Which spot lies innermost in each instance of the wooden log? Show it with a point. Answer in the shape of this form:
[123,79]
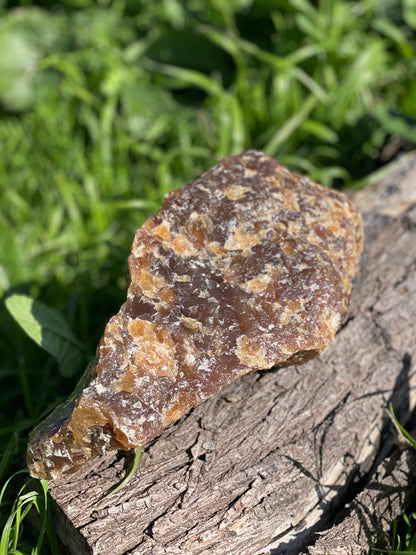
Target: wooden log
[272,460]
[366,521]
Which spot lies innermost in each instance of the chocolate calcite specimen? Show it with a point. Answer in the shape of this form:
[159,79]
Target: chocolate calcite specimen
[248,267]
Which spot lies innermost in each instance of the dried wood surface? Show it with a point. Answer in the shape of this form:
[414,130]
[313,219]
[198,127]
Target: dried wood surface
[366,521]
[283,461]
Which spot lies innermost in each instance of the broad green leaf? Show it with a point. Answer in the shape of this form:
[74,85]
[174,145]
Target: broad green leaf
[49,330]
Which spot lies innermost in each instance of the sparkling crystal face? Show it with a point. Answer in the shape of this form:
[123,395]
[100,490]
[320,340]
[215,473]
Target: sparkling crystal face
[248,267]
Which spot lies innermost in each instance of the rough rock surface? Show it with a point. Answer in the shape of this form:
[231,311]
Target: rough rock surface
[248,267]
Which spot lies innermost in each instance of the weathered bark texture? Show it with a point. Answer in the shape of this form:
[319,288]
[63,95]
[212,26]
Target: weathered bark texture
[291,460]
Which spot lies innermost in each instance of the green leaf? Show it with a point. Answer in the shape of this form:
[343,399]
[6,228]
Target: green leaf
[320,130]
[304,6]
[409,12]
[25,35]
[397,35]
[291,125]
[183,77]
[49,330]
[395,123]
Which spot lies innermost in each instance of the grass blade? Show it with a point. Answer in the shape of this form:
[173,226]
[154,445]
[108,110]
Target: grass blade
[402,430]
[290,126]
[185,77]
[128,476]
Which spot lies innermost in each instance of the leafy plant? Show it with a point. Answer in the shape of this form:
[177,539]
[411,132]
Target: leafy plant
[105,107]
[49,330]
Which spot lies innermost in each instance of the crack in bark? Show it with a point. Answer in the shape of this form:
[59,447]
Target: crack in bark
[343,508]
[323,428]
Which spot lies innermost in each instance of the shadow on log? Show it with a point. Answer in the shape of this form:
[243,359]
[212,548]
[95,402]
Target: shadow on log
[293,460]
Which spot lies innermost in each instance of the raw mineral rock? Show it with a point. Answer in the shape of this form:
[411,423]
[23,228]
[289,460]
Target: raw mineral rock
[248,267]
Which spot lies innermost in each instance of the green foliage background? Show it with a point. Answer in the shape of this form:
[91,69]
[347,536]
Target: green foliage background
[105,106]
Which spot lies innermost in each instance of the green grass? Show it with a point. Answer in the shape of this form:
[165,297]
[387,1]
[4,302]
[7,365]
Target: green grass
[105,106]
[403,535]
[27,499]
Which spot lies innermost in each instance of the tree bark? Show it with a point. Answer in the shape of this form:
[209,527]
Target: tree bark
[292,460]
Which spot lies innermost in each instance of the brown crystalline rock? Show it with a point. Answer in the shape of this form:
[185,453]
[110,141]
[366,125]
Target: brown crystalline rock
[248,267]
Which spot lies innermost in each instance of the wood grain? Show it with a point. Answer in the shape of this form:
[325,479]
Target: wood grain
[275,463]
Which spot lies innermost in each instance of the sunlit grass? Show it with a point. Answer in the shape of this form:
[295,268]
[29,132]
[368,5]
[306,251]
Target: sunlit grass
[18,510]
[107,108]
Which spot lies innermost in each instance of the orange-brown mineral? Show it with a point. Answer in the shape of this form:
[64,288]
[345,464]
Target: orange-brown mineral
[248,267]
